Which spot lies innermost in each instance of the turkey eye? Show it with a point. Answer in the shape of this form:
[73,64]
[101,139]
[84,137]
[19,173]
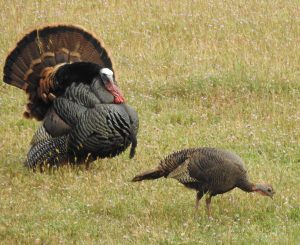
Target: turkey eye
[269,190]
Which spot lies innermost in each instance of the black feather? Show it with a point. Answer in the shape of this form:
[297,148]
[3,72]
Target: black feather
[93,129]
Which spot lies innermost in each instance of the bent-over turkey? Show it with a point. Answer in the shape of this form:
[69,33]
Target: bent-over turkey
[71,86]
[207,170]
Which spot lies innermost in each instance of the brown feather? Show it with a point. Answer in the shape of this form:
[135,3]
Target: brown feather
[28,65]
[207,170]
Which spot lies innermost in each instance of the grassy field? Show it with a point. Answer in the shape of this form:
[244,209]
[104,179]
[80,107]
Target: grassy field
[199,73]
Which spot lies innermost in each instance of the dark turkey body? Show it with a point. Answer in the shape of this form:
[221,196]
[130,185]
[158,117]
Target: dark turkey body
[87,125]
[214,171]
[207,170]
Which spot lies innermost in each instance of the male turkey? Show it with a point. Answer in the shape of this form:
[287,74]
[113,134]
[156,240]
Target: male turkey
[70,80]
[207,170]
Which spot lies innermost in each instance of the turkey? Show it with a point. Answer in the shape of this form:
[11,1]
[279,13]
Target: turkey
[207,170]
[71,86]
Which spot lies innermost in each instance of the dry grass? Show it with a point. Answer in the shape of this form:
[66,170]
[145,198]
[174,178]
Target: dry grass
[200,73]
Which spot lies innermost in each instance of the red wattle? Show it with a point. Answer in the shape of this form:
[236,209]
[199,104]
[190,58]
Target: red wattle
[119,100]
[116,92]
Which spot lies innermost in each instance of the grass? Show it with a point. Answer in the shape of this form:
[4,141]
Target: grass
[201,73]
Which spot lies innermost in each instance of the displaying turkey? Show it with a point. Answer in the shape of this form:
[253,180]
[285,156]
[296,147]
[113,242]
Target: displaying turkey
[71,86]
[207,170]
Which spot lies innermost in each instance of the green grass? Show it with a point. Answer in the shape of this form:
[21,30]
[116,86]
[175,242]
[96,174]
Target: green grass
[201,73]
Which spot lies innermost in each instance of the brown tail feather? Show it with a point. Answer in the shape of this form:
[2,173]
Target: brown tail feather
[151,174]
[46,47]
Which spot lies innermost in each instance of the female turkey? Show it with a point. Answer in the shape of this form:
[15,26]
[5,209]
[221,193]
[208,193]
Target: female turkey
[70,80]
[207,170]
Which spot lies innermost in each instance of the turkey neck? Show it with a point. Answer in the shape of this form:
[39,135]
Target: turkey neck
[246,185]
[78,72]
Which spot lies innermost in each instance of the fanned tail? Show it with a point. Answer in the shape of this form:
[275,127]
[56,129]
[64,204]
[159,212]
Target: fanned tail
[32,63]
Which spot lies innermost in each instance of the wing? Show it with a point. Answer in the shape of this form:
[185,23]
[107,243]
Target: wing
[215,169]
[103,131]
[182,174]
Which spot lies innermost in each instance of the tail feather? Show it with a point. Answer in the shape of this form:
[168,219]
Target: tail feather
[47,47]
[51,151]
[151,174]
[133,145]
